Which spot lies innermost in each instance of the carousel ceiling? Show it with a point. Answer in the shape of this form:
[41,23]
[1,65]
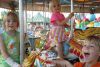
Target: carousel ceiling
[42,5]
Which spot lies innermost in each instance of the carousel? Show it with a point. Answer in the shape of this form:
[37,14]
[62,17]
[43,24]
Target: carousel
[80,28]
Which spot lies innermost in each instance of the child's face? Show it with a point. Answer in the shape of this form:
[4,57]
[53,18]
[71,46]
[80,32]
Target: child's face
[91,52]
[11,23]
[56,7]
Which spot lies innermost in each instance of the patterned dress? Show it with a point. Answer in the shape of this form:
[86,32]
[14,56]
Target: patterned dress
[12,45]
[57,32]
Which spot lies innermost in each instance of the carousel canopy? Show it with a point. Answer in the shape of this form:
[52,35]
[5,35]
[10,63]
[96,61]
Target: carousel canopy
[40,18]
[42,5]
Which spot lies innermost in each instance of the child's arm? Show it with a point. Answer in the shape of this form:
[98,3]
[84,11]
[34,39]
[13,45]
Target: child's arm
[2,48]
[66,19]
[6,56]
[61,63]
[70,15]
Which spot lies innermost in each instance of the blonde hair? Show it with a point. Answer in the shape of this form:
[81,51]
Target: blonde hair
[94,40]
[52,3]
[13,15]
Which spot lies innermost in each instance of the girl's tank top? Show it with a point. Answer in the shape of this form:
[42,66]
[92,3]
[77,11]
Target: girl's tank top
[12,45]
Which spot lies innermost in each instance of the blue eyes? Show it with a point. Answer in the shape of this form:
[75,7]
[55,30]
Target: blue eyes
[10,21]
[56,5]
[89,46]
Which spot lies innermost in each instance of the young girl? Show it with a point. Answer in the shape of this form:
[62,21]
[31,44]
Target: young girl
[9,42]
[91,52]
[58,21]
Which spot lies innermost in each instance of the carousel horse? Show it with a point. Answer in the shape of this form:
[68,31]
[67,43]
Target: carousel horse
[74,43]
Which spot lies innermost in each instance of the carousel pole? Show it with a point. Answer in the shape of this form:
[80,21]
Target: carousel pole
[21,19]
[72,5]
[71,32]
[25,16]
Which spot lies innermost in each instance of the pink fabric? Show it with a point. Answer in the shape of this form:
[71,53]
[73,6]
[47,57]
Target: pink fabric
[55,17]
[58,33]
